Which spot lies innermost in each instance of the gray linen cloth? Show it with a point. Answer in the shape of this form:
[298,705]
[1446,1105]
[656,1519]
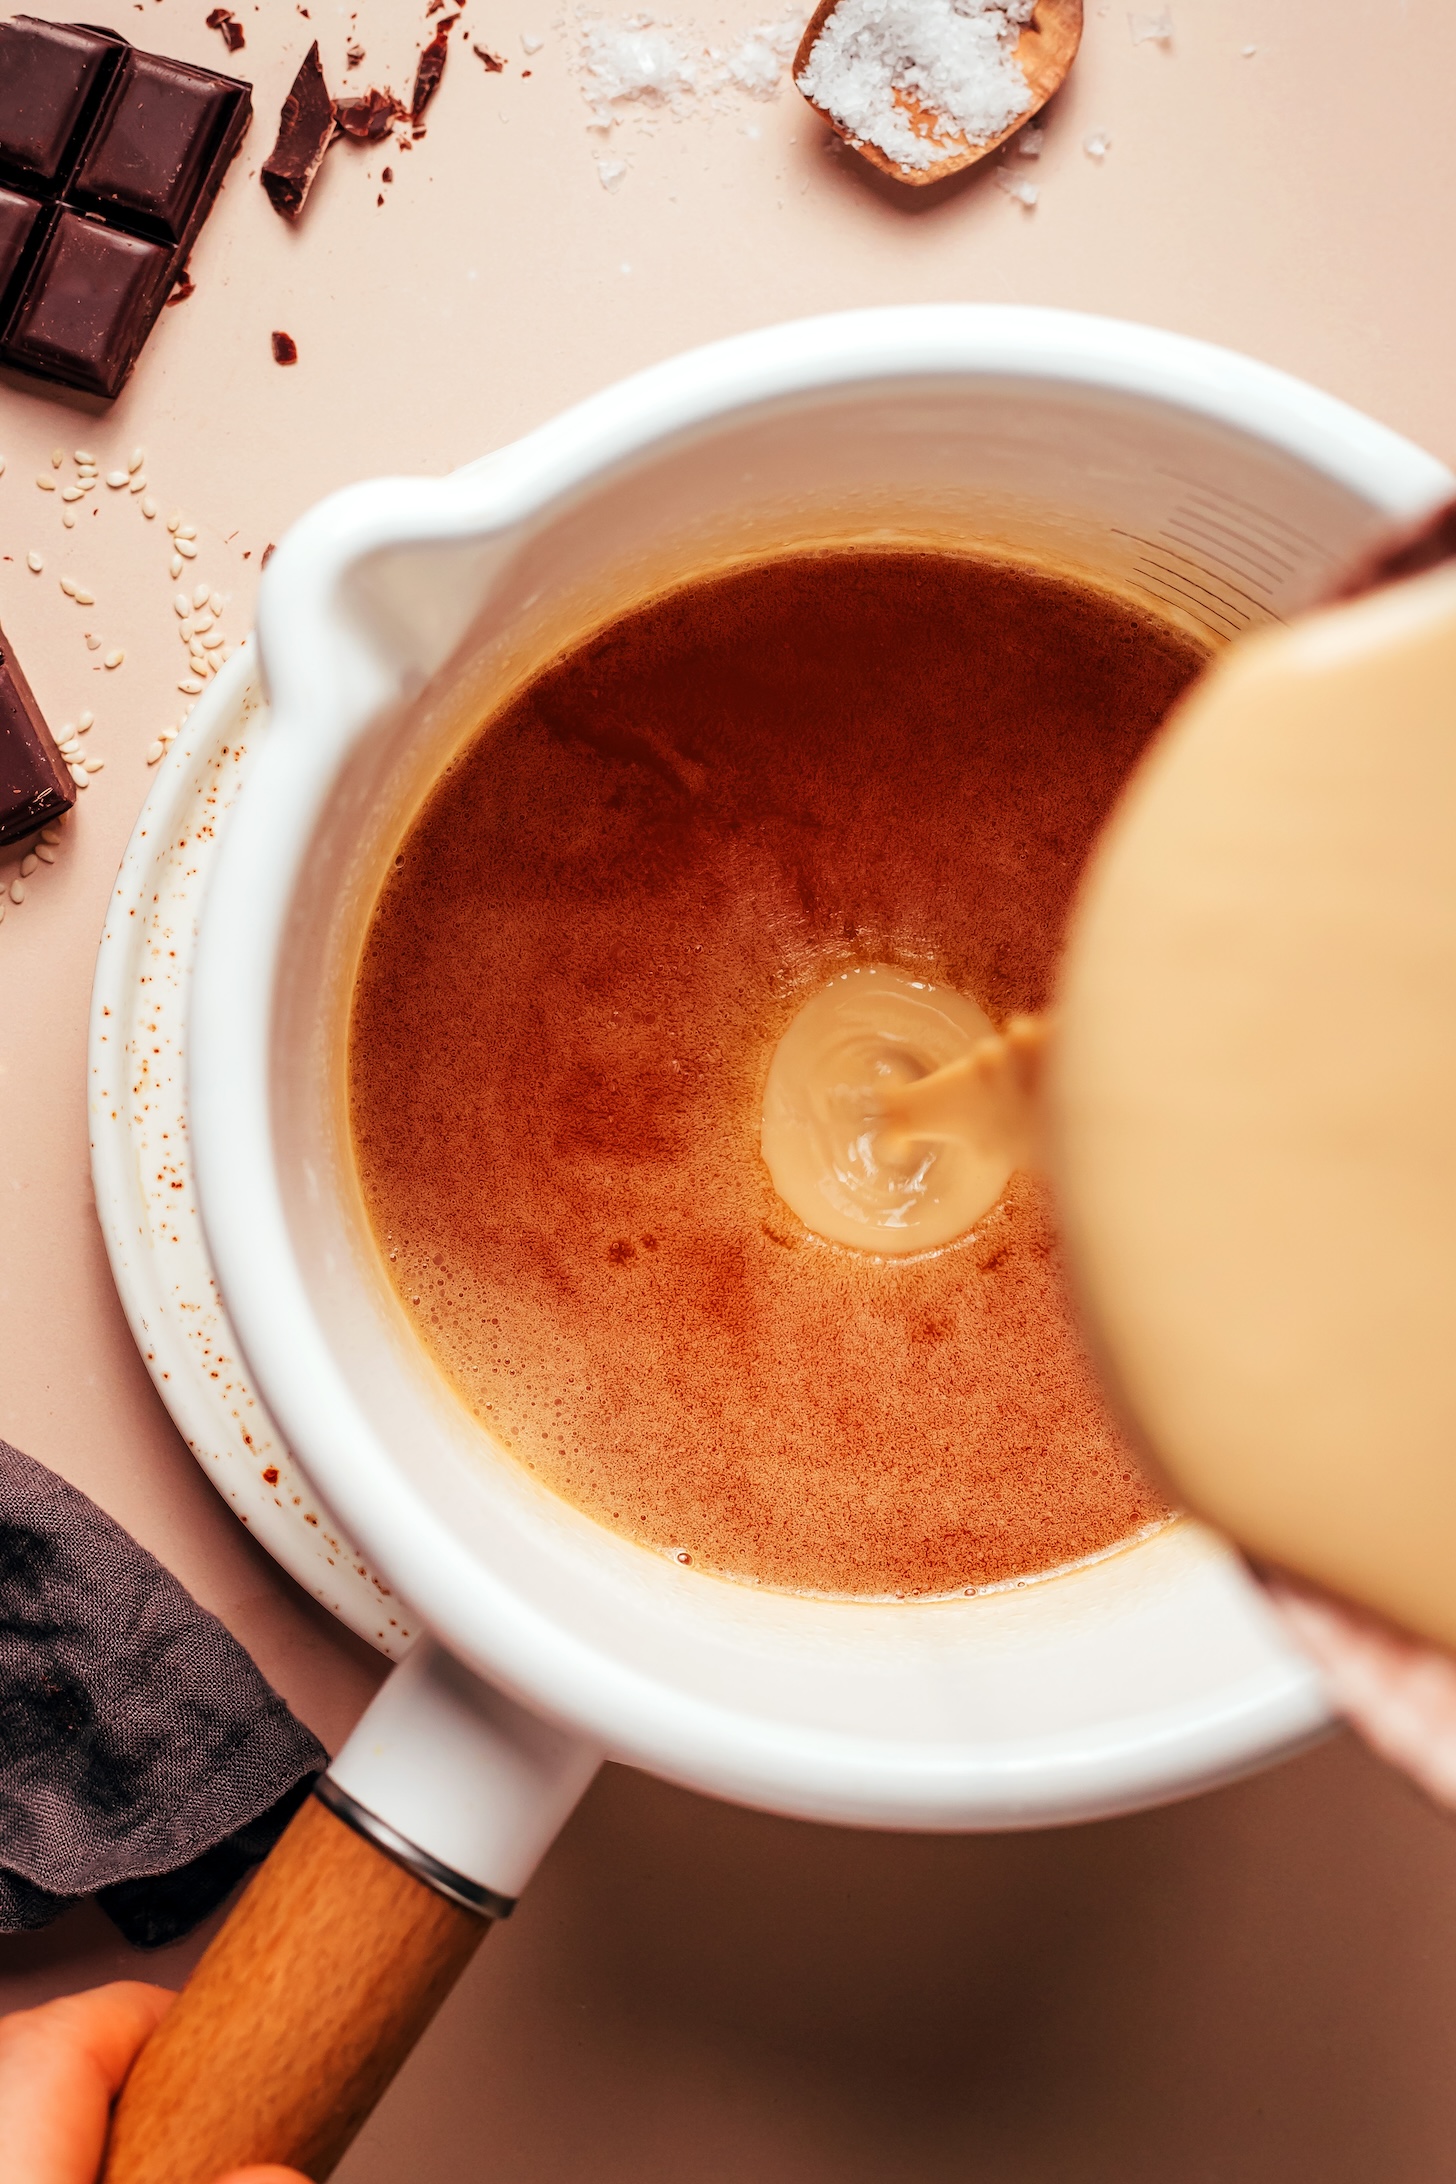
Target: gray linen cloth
[143,1759]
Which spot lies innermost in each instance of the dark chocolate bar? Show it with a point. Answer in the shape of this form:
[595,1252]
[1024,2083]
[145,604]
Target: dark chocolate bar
[109,163]
[34,784]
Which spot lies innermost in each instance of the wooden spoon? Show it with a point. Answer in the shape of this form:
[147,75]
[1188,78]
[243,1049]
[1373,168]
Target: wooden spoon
[1045,51]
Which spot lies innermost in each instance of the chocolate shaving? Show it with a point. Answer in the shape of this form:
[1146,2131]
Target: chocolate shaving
[493,61]
[185,286]
[431,68]
[305,132]
[285,351]
[353,56]
[268,553]
[223,19]
[370,117]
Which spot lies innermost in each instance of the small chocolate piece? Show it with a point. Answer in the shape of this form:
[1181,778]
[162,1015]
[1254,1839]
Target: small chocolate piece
[89,304]
[52,76]
[34,784]
[186,286]
[305,132]
[493,62]
[223,19]
[353,56]
[431,68]
[285,349]
[112,159]
[370,117]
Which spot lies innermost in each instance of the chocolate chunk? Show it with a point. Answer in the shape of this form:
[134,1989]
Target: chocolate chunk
[370,117]
[305,132]
[493,62]
[149,157]
[223,19]
[34,784]
[52,76]
[285,349]
[124,153]
[89,304]
[431,68]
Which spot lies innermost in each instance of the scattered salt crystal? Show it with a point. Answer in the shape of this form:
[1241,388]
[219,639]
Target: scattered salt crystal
[645,68]
[1030,141]
[756,64]
[531,44]
[1098,145]
[1248,51]
[1151,29]
[920,79]
[610,172]
[1017,185]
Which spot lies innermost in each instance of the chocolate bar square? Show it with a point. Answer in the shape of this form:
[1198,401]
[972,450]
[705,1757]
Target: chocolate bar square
[34,784]
[51,76]
[151,151]
[89,304]
[110,159]
[18,217]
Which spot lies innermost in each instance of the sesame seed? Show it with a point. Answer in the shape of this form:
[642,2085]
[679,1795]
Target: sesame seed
[176,565]
[93,642]
[94,765]
[82,597]
[138,457]
[114,659]
[85,457]
[186,548]
[47,485]
[83,722]
[184,631]
[68,586]
[88,483]
[174,519]
[86,470]
[225,654]
[149,509]
[199,597]
[190,686]
[71,493]
[70,748]
[68,519]
[204,621]
[154,752]
[58,456]
[34,562]
[17,890]
[115,478]
[138,485]
[80,776]
[187,530]
[44,851]
[212,640]
[50,834]
[215,603]
[181,604]
[27,865]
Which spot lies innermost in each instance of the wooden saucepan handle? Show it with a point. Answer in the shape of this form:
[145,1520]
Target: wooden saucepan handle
[297,2018]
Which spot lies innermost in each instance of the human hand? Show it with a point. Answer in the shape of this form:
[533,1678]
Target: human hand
[62,2066]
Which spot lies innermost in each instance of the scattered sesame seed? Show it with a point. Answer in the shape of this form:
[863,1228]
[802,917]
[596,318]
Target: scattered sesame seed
[17,890]
[115,478]
[71,493]
[186,530]
[58,456]
[68,519]
[204,621]
[149,509]
[181,604]
[138,457]
[184,631]
[215,602]
[50,834]
[191,686]
[44,851]
[80,776]
[27,865]
[82,597]
[154,752]
[94,765]
[93,642]
[34,562]
[47,485]
[213,639]
[114,659]
[176,565]
[88,482]
[85,457]
[68,586]
[138,485]
[199,597]
[174,519]
[83,722]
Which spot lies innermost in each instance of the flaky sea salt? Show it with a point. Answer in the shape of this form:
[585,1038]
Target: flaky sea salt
[1017,183]
[1097,145]
[642,66]
[1151,29]
[920,78]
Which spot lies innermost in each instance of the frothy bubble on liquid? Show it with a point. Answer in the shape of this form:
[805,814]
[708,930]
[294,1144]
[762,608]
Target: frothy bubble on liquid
[830,1140]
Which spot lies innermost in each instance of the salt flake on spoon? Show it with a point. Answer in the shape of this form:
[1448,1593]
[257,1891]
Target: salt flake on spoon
[923,88]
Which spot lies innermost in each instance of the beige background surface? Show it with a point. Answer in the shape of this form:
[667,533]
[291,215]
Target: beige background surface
[1260,1985]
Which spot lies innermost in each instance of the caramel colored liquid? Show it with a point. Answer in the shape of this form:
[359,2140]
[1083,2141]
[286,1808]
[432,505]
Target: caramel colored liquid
[593,937]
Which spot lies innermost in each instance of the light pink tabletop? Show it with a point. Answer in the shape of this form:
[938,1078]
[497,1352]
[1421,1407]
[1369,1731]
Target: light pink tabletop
[1258,1986]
